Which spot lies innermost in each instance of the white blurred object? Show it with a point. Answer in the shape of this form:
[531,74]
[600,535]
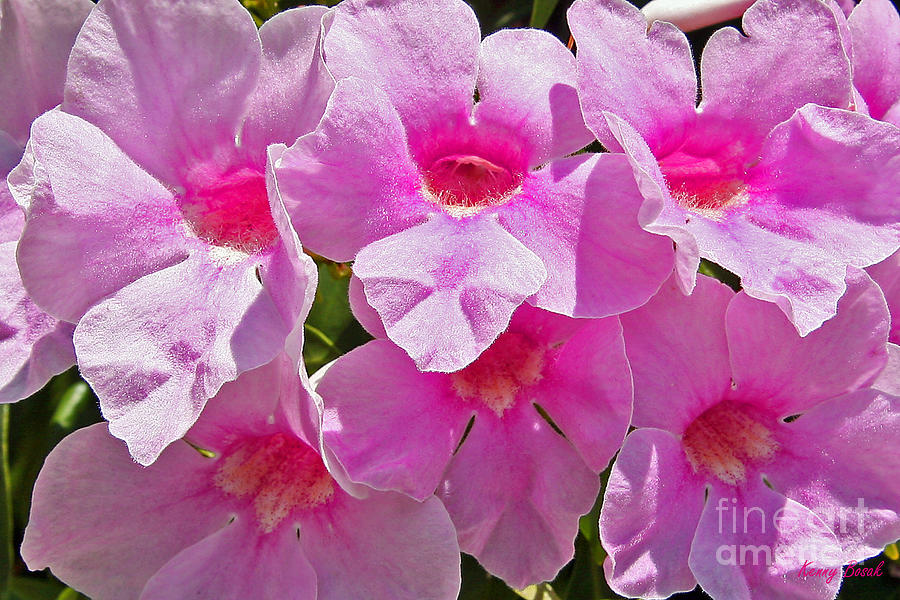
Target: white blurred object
[689,15]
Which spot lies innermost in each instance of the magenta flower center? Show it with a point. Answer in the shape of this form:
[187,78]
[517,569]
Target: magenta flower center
[704,185]
[232,211]
[512,363]
[278,474]
[464,184]
[726,439]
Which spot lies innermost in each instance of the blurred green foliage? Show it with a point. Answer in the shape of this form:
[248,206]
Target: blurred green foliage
[36,425]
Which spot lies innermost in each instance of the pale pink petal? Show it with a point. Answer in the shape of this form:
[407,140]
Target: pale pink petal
[390,426]
[169,82]
[887,275]
[893,114]
[579,215]
[289,275]
[515,491]
[406,48]
[104,525]
[888,380]
[526,89]
[821,197]
[248,406]
[237,563]
[846,6]
[875,28]
[354,174]
[792,55]
[646,77]
[89,234]
[689,15]
[294,84]
[659,213]
[752,542]
[679,354]
[777,368]
[651,508]
[33,345]
[156,350]
[364,313]
[386,546]
[588,391]
[36,37]
[833,460]
[12,219]
[851,158]
[469,275]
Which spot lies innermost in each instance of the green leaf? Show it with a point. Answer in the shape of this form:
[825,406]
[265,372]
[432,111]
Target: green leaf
[33,588]
[73,400]
[711,269]
[70,594]
[331,329]
[478,584]
[541,11]
[542,591]
[7,553]
[329,317]
[261,10]
[587,581]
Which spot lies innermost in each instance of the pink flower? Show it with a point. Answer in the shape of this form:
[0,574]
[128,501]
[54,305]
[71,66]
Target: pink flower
[150,225]
[260,519]
[722,483]
[36,37]
[514,486]
[769,176]
[887,275]
[456,211]
[875,33]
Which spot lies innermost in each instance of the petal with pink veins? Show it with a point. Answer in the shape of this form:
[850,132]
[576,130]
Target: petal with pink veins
[659,213]
[365,314]
[752,542]
[521,527]
[579,215]
[33,345]
[89,235]
[790,374]
[354,174]
[105,525]
[643,75]
[833,462]
[467,274]
[137,74]
[651,509]
[389,425]
[237,563]
[526,88]
[156,350]
[402,47]
[386,546]
[875,28]
[679,354]
[750,84]
[35,41]
[288,101]
[587,392]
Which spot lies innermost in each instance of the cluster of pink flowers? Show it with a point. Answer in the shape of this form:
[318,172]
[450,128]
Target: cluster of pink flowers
[530,302]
